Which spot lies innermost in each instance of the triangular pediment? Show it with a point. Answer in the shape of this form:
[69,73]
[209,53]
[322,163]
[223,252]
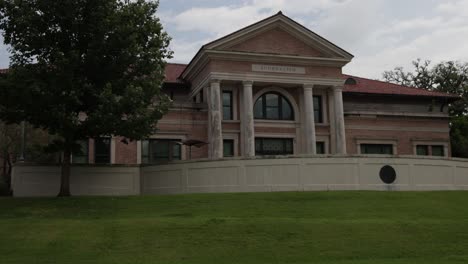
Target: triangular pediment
[279,35]
[277,41]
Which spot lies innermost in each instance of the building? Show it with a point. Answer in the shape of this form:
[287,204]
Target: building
[277,88]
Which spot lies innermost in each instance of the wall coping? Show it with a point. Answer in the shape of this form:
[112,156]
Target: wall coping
[303,156]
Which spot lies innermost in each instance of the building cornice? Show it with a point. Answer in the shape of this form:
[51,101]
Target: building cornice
[266,78]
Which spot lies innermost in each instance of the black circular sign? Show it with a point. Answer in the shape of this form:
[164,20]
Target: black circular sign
[388,174]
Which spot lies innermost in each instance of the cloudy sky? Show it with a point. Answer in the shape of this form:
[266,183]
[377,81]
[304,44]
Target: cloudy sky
[381,34]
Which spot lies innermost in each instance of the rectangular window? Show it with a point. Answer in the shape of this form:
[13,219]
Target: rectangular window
[438,151]
[318,109]
[102,149]
[227,105]
[422,150]
[81,157]
[160,150]
[228,148]
[386,149]
[273,146]
[435,150]
[320,147]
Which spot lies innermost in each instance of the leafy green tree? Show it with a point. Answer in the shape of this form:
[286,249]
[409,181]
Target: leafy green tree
[84,69]
[449,77]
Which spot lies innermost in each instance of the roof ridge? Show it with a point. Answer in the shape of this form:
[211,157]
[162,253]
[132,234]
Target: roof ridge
[396,84]
[176,63]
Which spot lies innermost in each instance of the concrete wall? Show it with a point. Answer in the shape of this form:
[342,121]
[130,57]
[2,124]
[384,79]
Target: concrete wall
[305,174]
[30,180]
[254,175]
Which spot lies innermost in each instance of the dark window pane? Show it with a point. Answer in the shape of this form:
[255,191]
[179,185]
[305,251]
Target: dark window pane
[320,146]
[273,106]
[176,151]
[272,113]
[258,109]
[287,112]
[81,157]
[273,146]
[318,112]
[377,149]
[161,150]
[145,151]
[422,150]
[438,151]
[227,113]
[228,148]
[227,106]
[272,100]
[102,150]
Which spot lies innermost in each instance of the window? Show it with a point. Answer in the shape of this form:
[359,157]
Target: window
[320,147]
[377,149]
[228,148]
[273,146]
[422,150]
[102,150]
[318,113]
[160,150]
[227,105]
[428,150]
[273,106]
[81,157]
[438,151]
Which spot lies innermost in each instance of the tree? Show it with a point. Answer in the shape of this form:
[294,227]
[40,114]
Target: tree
[11,149]
[83,69]
[10,140]
[449,77]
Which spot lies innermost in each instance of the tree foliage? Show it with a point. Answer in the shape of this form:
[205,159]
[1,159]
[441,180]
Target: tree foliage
[449,77]
[84,68]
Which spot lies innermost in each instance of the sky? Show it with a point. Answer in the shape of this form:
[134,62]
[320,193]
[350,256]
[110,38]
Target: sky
[381,34]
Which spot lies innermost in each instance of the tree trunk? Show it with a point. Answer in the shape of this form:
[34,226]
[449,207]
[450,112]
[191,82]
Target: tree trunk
[8,174]
[65,177]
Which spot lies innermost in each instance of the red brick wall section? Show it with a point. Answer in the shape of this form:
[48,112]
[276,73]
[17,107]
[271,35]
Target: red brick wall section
[277,41]
[125,153]
[405,138]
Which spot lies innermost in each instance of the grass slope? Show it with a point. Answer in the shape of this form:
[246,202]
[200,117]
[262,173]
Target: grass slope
[326,227]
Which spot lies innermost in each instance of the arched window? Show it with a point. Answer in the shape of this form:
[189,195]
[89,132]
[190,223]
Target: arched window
[273,106]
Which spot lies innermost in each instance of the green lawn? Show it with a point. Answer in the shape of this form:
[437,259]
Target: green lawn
[325,227]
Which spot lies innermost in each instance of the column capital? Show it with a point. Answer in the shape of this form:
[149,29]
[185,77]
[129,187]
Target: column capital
[308,86]
[337,88]
[215,81]
[249,83]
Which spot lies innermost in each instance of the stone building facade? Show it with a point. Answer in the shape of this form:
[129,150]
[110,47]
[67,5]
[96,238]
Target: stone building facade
[277,88]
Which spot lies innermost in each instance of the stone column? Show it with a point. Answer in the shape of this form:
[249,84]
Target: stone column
[339,120]
[215,133]
[248,120]
[310,138]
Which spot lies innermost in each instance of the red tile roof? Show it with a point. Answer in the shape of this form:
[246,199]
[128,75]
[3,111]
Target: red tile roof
[173,71]
[362,85]
[369,86]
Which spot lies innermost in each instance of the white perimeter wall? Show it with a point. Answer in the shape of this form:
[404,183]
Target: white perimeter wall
[30,180]
[256,175]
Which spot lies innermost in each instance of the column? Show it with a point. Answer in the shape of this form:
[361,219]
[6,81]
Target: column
[310,140]
[331,120]
[112,150]
[215,139]
[248,120]
[339,120]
